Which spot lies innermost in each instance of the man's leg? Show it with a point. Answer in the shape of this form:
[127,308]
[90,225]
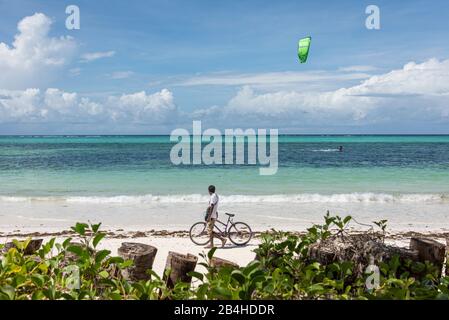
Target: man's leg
[217,235]
[223,240]
[210,232]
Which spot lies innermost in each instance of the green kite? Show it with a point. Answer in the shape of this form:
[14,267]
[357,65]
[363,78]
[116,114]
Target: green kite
[303,48]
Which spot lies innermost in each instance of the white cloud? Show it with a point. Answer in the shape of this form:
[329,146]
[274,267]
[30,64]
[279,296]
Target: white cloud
[359,68]
[121,75]
[92,56]
[429,78]
[55,105]
[272,79]
[74,72]
[141,108]
[415,92]
[33,56]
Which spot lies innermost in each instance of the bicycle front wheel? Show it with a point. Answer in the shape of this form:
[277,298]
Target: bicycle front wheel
[198,234]
[240,233]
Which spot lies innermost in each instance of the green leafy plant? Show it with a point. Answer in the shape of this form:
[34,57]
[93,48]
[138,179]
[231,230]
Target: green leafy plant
[79,269]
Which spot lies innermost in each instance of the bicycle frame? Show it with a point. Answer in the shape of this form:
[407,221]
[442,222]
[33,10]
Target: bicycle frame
[226,225]
[221,230]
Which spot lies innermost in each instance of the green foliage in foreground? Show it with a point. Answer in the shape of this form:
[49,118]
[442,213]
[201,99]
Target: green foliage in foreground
[282,271]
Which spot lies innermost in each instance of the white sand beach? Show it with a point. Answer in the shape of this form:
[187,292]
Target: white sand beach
[166,225]
[157,225]
[50,215]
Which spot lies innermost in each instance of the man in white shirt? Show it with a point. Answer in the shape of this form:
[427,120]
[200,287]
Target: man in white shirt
[212,216]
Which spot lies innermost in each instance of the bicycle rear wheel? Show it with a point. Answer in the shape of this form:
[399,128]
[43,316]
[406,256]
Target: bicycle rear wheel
[198,234]
[240,233]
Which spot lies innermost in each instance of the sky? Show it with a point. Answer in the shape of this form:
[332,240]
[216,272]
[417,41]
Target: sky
[149,67]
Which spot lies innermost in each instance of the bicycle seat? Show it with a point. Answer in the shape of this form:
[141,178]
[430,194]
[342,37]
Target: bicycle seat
[230,214]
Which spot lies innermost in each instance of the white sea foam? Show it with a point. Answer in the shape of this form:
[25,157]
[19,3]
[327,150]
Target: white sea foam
[277,198]
[325,150]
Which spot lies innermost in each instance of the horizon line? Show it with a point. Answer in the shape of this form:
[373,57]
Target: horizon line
[283,134]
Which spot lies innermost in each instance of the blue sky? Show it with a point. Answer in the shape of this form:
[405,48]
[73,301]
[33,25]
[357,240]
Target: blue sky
[152,66]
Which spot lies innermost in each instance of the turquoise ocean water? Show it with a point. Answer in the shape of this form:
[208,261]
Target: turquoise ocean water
[138,168]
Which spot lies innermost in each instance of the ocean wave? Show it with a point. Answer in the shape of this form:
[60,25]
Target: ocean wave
[326,150]
[275,198]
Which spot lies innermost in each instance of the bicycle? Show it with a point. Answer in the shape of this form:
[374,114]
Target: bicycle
[238,232]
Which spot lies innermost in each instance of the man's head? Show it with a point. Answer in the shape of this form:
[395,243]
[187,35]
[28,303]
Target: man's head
[211,189]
